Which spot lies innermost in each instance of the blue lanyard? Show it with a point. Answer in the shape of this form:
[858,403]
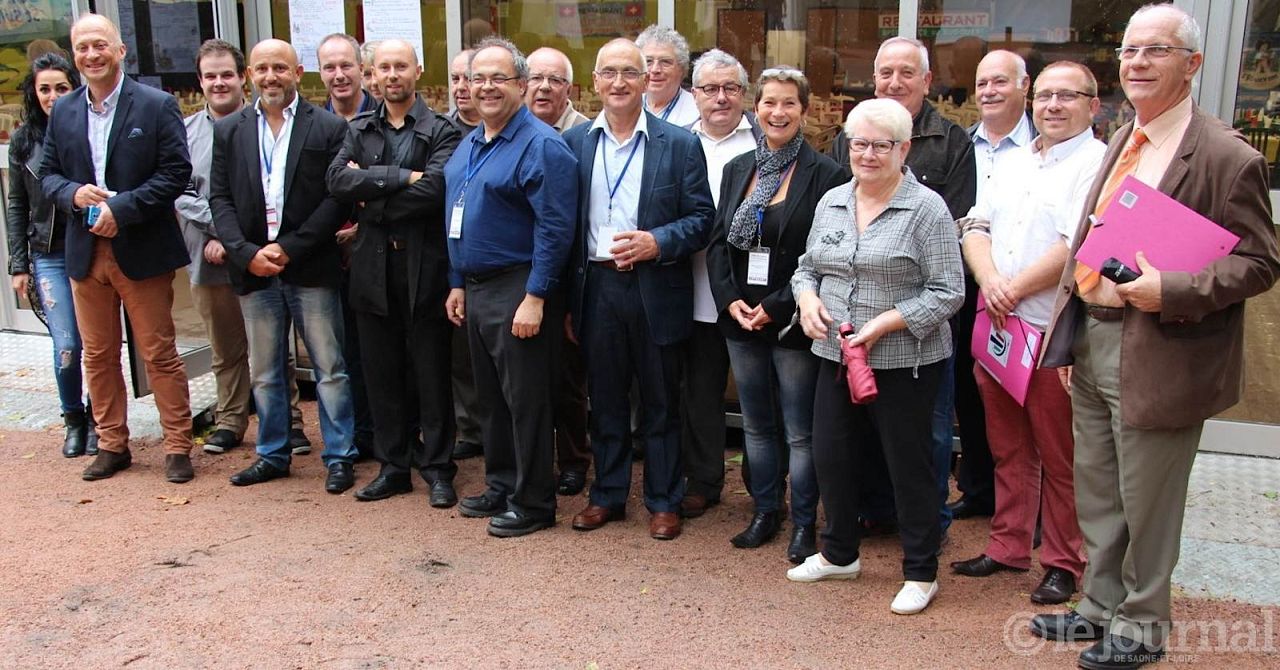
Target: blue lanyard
[268,157]
[474,167]
[671,106]
[604,159]
[760,211]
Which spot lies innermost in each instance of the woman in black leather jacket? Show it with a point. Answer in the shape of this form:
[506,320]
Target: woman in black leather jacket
[36,232]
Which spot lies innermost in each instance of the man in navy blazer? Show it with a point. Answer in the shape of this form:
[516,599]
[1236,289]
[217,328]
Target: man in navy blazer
[645,209]
[115,160]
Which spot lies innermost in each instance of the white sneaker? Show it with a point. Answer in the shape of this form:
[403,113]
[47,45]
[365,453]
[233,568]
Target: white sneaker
[816,569]
[914,597]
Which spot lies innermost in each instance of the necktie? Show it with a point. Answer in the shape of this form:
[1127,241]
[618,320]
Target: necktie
[1086,277]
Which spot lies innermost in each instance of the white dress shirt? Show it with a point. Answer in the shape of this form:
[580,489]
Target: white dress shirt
[987,155]
[100,123]
[273,156]
[1038,202]
[611,156]
[683,114]
[719,153]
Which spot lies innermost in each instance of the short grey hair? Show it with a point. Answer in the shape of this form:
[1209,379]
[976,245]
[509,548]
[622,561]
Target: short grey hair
[518,61]
[785,74]
[1188,30]
[367,49]
[351,41]
[657,34]
[924,51]
[717,59]
[882,113]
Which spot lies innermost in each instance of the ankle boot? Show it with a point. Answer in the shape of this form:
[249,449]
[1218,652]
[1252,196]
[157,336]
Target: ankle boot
[73,443]
[91,444]
[804,543]
[764,526]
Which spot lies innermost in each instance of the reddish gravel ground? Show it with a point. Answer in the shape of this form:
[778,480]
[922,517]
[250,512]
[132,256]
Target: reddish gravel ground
[137,572]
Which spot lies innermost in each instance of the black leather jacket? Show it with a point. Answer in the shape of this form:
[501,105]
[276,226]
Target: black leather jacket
[30,218]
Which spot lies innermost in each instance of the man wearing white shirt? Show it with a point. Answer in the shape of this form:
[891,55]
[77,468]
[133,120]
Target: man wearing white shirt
[1001,88]
[720,88]
[1016,240]
[666,61]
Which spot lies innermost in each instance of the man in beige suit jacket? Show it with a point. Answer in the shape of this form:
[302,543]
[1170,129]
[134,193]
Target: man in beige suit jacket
[1150,360]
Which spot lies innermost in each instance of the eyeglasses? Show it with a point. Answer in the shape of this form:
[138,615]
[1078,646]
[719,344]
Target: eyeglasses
[858,145]
[496,80]
[535,80]
[713,90]
[661,63]
[609,74]
[1152,51]
[1065,96]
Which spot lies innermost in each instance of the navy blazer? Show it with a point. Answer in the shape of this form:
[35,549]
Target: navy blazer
[147,165]
[311,215]
[675,206]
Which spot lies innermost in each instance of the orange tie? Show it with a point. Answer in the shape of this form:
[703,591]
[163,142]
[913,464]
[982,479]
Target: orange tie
[1086,277]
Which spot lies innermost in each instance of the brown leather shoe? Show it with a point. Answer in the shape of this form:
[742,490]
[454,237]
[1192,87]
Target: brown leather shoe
[695,505]
[664,526]
[107,463]
[595,516]
[177,468]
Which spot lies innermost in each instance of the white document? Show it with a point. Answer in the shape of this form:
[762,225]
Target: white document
[309,22]
[758,266]
[455,222]
[395,19]
[605,242]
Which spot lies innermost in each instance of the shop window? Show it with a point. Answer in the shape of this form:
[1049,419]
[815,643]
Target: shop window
[26,31]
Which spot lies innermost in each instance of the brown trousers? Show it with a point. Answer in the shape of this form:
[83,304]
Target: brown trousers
[219,308]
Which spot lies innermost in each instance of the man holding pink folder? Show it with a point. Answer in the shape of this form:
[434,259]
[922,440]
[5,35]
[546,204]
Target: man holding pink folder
[1016,241]
[1151,359]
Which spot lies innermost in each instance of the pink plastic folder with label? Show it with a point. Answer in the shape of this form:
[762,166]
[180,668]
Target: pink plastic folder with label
[1171,235]
[1009,355]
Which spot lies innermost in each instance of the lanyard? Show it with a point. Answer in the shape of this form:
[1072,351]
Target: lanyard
[604,159]
[268,155]
[474,167]
[760,211]
[671,106]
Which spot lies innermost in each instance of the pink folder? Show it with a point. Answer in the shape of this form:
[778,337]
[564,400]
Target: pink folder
[1171,235]
[1008,355]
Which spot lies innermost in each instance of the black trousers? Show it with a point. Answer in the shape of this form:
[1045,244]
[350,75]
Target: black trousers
[405,359]
[465,412]
[976,476]
[514,379]
[351,352]
[569,410]
[702,385]
[896,426]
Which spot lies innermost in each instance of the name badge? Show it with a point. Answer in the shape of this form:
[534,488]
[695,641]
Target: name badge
[455,222]
[604,241]
[273,224]
[758,266]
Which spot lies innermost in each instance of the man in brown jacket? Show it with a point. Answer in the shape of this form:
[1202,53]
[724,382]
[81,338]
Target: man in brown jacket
[1150,360]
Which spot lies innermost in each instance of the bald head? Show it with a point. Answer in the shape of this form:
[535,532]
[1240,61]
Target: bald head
[95,40]
[1001,85]
[274,69]
[273,47]
[396,47]
[396,69]
[621,47]
[550,78]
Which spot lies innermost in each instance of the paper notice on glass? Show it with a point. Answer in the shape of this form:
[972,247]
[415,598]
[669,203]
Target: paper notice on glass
[309,22]
[394,19]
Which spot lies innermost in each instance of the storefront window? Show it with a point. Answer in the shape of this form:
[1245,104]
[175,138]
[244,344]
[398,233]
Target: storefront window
[26,31]
[161,39]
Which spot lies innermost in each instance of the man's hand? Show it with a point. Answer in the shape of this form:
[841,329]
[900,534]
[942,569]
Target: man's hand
[214,252]
[353,165]
[414,176]
[1143,292]
[265,263]
[19,282]
[455,306]
[1001,296]
[814,317]
[106,225]
[1064,376]
[276,250]
[528,318]
[347,234]
[633,246]
[89,194]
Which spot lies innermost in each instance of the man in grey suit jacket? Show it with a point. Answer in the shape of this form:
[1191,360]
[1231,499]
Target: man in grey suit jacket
[645,209]
[1150,360]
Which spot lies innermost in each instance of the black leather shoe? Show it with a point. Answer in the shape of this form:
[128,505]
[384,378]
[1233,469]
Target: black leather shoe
[384,486]
[298,442]
[804,543]
[965,508]
[571,482]
[177,468]
[515,524]
[91,444]
[1114,652]
[342,476]
[1056,587]
[261,471]
[1066,627]
[465,450]
[106,464]
[764,526]
[442,494]
[982,566]
[77,435]
[483,505]
[220,442]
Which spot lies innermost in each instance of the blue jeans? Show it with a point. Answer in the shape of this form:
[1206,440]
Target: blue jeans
[775,388]
[943,431]
[317,313]
[54,290]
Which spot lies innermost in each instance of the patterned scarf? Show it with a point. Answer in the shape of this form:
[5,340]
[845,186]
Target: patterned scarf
[769,168]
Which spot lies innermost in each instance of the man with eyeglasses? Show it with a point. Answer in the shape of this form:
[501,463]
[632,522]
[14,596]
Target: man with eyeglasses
[725,132]
[1151,359]
[1016,239]
[646,208]
[509,216]
[550,81]
[666,61]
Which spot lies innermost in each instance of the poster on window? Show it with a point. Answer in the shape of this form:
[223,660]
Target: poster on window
[32,19]
[309,22]
[600,19]
[175,26]
[395,19]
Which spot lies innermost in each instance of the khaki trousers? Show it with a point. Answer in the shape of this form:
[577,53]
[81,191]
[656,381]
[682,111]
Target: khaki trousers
[1131,493]
[149,304]
[219,308]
